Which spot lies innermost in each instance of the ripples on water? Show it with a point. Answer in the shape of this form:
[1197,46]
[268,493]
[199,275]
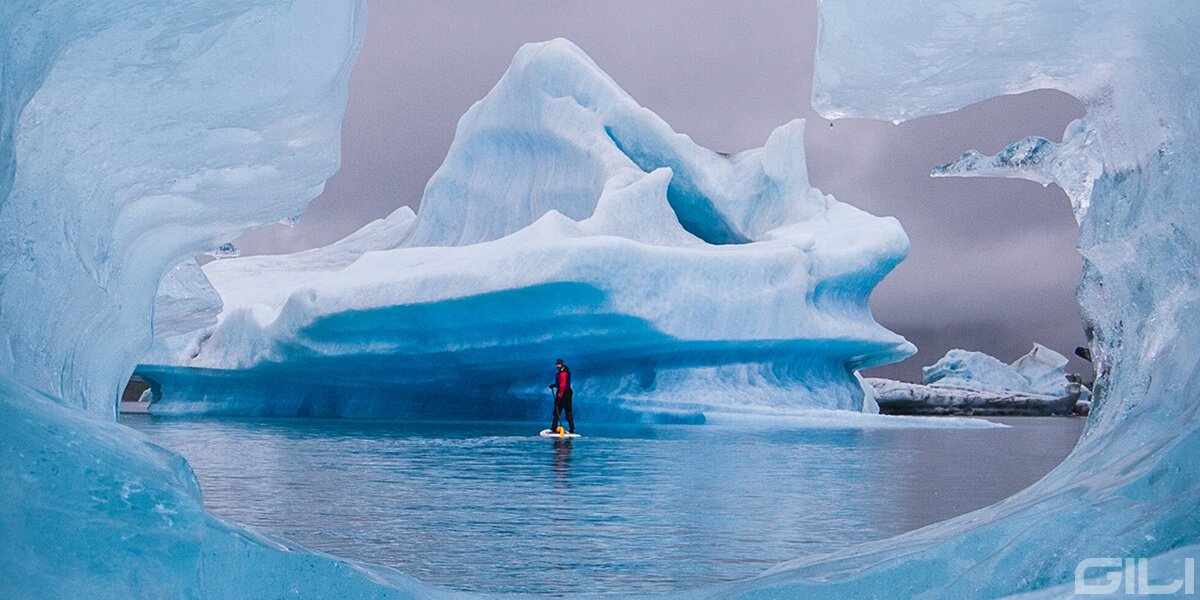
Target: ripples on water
[490,507]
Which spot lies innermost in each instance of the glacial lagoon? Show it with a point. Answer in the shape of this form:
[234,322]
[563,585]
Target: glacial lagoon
[490,507]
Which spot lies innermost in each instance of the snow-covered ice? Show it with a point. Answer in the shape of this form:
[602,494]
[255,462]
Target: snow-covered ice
[966,369]
[1040,372]
[1044,369]
[966,382]
[566,220]
[185,310]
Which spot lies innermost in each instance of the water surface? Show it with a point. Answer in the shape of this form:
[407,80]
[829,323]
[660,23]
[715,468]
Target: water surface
[489,507]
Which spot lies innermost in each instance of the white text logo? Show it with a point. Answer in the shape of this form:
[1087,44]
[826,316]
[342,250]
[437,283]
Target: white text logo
[1107,575]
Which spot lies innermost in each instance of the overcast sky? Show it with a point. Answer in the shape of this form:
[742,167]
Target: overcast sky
[992,267]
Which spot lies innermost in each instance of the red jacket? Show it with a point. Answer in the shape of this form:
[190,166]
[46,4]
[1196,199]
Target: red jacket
[562,383]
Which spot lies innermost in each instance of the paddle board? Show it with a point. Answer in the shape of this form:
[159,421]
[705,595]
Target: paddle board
[546,433]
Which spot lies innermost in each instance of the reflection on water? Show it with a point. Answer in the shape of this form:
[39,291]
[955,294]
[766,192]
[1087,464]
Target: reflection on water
[562,458]
[492,507]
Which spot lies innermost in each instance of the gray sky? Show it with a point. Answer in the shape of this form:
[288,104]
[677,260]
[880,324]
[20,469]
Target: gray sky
[992,267]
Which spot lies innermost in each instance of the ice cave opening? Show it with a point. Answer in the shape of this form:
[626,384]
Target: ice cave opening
[386,230]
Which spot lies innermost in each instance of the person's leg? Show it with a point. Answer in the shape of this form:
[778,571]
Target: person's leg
[567,397]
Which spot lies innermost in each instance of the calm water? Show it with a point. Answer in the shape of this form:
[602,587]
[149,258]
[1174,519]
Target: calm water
[488,507]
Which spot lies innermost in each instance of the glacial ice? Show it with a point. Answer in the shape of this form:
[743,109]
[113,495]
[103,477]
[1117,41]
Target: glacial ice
[965,369]
[93,509]
[192,301]
[966,382]
[567,221]
[1068,164]
[1044,369]
[185,309]
[1129,487]
[133,135]
[212,117]
[254,289]
[904,398]
[1042,372]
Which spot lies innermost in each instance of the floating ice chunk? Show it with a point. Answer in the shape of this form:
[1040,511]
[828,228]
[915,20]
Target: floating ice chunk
[1041,371]
[903,398]
[965,382]
[566,221]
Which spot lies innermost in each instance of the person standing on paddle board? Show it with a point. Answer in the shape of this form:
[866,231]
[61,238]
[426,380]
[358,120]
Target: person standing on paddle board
[562,395]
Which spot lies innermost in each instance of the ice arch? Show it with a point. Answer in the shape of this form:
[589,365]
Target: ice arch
[1130,487]
[134,133]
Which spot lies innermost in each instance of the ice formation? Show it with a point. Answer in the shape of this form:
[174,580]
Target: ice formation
[566,220]
[904,398]
[1068,164]
[185,309]
[1044,369]
[966,382]
[1041,372]
[206,307]
[132,135]
[1129,487]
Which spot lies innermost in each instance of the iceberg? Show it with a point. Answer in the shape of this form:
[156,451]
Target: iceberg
[566,220]
[1128,488]
[969,370]
[198,305]
[966,382]
[1042,371]
[188,308]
